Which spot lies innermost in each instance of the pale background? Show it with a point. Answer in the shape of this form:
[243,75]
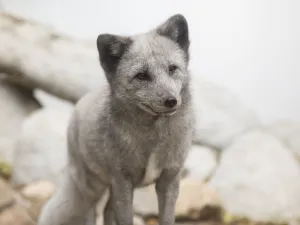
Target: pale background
[251,47]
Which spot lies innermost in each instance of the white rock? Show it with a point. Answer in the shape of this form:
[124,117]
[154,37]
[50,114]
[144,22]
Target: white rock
[289,132]
[137,220]
[41,152]
[15,105]
[40,190]
[259,178]
[220,116]
[195,199]
[201,162]
[102,203]
[6,194]
[50,101]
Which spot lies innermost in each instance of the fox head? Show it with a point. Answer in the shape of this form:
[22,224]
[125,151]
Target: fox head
[149,70]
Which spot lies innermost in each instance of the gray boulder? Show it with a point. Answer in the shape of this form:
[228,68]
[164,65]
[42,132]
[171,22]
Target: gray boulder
[289,132]
[41,152]
[16,103]
[220,116]
[258,178]
[51,101]
[201,162]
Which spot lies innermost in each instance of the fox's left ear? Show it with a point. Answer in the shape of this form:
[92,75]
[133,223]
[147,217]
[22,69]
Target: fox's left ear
[176,28]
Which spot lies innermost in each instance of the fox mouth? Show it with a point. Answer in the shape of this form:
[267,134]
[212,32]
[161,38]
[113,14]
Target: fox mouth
[152,111]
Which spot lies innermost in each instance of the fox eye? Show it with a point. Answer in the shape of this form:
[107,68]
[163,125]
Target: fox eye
[172,68]
[142,76]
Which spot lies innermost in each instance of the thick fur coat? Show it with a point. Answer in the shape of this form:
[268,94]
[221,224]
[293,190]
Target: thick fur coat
[136,131]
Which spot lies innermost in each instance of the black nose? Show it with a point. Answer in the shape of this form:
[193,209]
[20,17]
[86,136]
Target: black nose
[171,102]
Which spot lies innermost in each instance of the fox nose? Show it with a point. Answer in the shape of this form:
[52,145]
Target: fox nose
[171,102]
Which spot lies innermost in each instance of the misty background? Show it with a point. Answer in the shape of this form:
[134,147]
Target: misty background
[251,47]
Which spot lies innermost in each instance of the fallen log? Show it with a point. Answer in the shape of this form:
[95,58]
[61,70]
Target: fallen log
[36,56]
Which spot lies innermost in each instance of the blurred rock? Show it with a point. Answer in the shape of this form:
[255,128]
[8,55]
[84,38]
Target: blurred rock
[50,101]
[151,220]
[137,220]
[258,178]
[202,223]
[41,152]
[289,132]
[15,215]
[220,116]
[39,191]
[5,170]
[16,103]
[145,201]
[101,204]
[201,162]
[6,195]
[196,201]
[34,208]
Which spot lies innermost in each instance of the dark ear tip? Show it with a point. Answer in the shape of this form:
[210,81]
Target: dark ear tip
[99,40]
[102,38]
[179,17]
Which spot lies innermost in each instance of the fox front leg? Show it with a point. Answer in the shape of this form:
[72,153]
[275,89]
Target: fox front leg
[109,214]
[167,189]
[121,200]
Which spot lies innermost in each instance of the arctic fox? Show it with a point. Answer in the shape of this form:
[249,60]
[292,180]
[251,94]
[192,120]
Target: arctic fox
[135,132]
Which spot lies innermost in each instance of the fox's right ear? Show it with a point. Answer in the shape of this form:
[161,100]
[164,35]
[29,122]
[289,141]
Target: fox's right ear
[111,48]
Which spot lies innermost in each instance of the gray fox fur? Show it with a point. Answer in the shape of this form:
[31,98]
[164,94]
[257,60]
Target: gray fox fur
[134,132]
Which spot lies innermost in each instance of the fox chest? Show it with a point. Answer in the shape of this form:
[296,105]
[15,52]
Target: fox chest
[152,153]
[152,171]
